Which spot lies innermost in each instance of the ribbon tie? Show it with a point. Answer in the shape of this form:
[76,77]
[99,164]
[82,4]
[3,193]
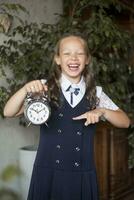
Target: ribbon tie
[72,91]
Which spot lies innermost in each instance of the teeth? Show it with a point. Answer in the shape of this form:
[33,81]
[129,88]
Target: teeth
[73,65]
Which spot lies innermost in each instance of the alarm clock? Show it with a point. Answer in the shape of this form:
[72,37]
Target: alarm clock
[36,108]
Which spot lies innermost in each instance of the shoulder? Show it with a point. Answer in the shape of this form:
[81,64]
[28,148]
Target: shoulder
[98,91]
[104,100]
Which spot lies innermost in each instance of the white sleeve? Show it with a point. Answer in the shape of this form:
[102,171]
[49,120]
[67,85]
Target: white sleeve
[104,100]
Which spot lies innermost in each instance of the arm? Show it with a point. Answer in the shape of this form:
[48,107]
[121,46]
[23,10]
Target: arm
[117,118]
[14,105]
[108,110]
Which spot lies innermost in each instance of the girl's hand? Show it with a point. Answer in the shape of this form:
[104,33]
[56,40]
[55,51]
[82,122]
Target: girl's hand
[35,86]
[91,117]
[15,105]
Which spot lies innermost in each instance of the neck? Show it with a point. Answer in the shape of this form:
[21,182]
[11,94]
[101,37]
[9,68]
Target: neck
[73,80]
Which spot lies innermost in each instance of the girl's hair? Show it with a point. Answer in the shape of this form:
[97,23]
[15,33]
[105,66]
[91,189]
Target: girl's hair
[54,84]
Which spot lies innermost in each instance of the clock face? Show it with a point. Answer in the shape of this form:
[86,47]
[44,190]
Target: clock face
[38,113]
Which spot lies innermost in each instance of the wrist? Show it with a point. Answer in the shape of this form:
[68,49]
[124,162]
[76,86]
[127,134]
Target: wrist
[103,111]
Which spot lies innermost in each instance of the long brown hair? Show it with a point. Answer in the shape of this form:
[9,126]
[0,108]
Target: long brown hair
[54,84]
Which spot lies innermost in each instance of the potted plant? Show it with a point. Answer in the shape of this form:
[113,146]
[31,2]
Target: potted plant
[26,160]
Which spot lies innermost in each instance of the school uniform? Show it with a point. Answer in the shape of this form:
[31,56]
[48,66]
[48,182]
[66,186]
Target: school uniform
[64,167]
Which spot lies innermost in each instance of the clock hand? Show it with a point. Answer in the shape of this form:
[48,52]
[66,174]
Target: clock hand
[34,110]
[41,110]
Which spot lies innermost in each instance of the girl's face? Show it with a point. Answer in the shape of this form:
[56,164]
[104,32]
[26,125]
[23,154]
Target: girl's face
[72,58]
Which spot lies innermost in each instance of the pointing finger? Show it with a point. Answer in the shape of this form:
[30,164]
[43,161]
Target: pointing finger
[83,116]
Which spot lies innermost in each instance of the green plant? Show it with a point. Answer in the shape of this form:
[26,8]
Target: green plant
[28,50]
[12,10]
[7,175]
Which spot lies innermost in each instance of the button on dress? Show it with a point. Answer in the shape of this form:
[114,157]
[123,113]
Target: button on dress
[64,167]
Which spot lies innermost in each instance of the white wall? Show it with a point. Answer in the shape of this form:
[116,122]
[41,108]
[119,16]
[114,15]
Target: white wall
[12,135]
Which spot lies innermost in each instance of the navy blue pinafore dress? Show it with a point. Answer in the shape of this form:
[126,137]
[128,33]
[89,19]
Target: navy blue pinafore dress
[64,167]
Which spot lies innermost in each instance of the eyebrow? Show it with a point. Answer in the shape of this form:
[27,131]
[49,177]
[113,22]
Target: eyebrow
[71,50]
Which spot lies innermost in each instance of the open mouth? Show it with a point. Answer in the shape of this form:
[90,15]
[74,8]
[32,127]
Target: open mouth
[73,67]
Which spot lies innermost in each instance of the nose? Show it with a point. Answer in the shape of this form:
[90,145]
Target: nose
[73,56]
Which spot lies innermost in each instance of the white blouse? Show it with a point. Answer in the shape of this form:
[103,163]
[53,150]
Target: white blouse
[104,100]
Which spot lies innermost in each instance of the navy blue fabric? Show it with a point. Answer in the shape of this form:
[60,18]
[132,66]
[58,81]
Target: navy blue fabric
[64,167]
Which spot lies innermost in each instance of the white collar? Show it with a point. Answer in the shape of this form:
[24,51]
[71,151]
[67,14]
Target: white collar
[65,83]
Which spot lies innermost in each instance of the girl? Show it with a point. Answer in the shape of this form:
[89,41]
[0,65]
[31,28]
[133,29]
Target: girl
[64,167]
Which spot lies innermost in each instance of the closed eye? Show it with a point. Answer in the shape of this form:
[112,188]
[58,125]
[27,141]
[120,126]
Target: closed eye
[81,53]
[66,53]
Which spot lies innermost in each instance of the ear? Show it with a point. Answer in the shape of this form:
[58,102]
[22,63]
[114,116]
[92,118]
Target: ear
[57,60]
